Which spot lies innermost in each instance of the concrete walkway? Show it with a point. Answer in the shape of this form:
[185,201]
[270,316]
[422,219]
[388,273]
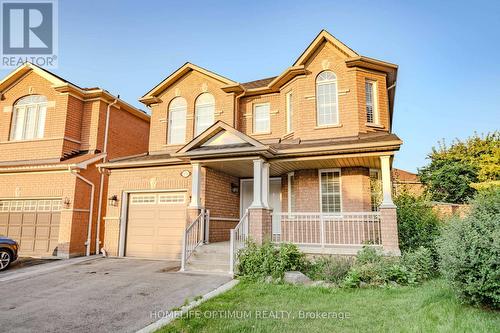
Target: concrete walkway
[99,295]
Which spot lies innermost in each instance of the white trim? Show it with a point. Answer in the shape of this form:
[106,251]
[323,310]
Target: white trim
[289,191]
[376,118]
[336,82]
[339,170]
[254,118]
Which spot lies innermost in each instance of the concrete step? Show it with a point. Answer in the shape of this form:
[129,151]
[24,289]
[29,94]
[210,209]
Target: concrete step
[207,267]
[212,257]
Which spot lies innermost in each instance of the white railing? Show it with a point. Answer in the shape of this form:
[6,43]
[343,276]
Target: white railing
[238,239]
[319,229]
[194,235]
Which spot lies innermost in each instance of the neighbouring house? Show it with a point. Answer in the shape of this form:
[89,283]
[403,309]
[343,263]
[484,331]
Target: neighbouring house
[52,135]
[405,181]
[287,158]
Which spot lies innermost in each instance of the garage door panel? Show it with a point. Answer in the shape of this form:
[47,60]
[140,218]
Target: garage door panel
[155,230]
[34,223]
[43,231]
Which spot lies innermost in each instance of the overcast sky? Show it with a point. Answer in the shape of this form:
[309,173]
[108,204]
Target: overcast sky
[448,52]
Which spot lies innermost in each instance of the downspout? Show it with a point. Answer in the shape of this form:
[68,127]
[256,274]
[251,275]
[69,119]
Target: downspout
[91,209]
[101,184]
[237,109]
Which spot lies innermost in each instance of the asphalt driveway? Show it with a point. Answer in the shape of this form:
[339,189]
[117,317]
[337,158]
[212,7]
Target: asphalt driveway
[100,295]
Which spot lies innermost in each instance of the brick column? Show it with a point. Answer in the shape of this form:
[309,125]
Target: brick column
[389,230]
[260,224]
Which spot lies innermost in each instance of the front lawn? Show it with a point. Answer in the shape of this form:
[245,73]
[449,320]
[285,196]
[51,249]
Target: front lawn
[431,307]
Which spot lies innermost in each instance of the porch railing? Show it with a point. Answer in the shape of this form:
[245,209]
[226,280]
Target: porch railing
[238,239]
[194,235]
[320,229]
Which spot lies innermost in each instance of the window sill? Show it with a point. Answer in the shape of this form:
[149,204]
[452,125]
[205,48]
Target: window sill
[261,133]
[287,135]
[30,140]
[374,125]
[328,126]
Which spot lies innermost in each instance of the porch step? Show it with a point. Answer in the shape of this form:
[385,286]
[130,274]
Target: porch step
[212,257]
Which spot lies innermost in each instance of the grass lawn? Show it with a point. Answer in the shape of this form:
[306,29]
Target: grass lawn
[431,307]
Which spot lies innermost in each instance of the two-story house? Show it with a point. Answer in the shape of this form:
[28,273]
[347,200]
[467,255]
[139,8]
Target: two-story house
[290,158]
[52,135]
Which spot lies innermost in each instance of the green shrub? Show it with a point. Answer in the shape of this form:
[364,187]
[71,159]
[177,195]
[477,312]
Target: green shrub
[330,268]
[418,224]
[258,262]
[373,269]
[469,250]
[420,263]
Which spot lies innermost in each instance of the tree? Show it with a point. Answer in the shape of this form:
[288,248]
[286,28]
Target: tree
[455,172]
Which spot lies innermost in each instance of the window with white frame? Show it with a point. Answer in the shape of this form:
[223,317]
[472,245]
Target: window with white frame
[327,112]
[261,118]
[330,191]
[177,111]
[375,189]
[204,112]
[371,102]
[289,113]
[4,206]
[28,118]
[291,192]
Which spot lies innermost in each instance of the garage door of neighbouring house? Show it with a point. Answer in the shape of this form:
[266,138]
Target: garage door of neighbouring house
[155,225]
[34,224]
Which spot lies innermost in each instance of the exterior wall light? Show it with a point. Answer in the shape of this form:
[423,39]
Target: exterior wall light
[66,202]
[234,188]
[113,200]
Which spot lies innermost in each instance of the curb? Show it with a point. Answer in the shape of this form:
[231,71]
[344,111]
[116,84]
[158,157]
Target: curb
[44,268]
[176,314]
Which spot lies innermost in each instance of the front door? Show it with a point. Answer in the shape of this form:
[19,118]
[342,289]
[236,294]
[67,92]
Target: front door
[274,199]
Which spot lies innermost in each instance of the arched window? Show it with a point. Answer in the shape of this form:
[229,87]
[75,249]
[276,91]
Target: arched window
[177,111]
[204,112]
[28,118]
[326,99]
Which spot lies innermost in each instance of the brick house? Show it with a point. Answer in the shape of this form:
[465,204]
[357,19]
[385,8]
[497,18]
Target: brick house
[52,135]
[289,158]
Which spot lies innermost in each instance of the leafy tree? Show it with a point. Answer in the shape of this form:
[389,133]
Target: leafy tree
[456,171]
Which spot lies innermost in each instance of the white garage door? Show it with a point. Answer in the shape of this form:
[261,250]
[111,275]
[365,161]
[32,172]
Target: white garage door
[155,225]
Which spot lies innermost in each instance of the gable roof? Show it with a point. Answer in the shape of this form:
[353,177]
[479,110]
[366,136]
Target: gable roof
[207,144]
[150,96]
[318,41]
[62,85]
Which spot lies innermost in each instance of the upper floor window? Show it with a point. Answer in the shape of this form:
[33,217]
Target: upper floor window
[204,112]
[28,118]
[177,111]
[261,118]
[289,113]
[326,99]
[371,102]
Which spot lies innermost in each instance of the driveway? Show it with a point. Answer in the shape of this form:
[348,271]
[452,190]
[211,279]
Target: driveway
[100,295]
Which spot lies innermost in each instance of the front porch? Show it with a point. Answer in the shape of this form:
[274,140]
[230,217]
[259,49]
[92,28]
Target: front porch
[328,210]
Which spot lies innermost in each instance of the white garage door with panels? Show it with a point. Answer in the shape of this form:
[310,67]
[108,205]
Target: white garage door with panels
[155,225]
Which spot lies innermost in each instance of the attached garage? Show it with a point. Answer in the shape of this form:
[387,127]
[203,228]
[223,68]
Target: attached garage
[33,223]
[155,225]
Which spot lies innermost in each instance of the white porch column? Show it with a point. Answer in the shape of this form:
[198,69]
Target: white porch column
[385,165]
[258,166]
[265,185]
[196,186]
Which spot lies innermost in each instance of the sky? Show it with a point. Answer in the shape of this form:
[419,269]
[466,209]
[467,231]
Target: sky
[448,52]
